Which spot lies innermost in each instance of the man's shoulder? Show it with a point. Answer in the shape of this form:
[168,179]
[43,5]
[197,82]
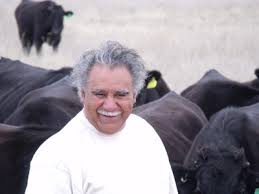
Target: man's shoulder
[136,118]
[61,142]
[140,124]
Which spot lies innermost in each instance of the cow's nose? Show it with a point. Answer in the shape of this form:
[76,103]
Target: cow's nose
[197,190]
[55,32]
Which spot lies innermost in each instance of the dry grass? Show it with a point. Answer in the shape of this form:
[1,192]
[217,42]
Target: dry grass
[181,38]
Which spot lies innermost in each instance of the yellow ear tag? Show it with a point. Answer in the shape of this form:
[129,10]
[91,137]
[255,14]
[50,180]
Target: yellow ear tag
[152,83]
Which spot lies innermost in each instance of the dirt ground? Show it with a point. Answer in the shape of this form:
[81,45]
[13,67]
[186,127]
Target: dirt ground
[181,38]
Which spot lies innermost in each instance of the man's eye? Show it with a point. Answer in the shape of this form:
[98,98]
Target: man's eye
[99,94]
[121,95]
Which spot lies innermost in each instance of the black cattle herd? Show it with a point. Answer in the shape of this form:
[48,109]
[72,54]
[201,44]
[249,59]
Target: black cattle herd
[210,130]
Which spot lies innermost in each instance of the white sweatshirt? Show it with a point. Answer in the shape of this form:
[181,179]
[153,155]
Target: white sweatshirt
[81,160]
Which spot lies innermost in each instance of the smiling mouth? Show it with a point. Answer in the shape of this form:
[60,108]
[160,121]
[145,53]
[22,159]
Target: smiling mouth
[109,114]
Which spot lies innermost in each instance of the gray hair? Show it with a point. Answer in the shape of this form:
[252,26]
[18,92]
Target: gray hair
[111,54]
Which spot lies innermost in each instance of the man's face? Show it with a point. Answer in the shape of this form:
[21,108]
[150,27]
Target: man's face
[108,98]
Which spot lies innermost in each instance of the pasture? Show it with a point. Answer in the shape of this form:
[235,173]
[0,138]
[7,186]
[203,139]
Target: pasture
[181,38]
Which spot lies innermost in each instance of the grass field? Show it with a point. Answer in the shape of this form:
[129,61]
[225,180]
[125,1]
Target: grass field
[181,38]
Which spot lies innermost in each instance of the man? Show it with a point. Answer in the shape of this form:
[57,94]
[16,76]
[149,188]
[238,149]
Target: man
[104,149]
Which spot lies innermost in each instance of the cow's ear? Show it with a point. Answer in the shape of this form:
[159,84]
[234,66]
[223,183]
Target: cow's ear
[68,13]
[152,78]
[152,83]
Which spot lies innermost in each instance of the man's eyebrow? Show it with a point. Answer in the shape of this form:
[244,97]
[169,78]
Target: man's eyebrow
[122,91]
[97,90]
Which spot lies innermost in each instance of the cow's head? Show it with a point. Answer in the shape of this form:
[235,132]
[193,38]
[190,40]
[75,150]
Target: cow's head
[155,87]
[216,172]
[55,15]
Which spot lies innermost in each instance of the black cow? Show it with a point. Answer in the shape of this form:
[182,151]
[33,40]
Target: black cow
[40,22]
[17,79]
[214,92]
[176,120]
[224,155]
[53,106]
[155,87]
[17,146]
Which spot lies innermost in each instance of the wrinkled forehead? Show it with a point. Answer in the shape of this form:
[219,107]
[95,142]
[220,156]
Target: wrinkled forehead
[117,74]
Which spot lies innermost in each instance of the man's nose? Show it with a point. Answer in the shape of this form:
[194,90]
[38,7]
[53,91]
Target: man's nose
[109,103]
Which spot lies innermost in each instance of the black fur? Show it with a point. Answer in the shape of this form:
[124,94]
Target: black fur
[39,22]
[214,92]
[17,79]
[224,154]
[176,120]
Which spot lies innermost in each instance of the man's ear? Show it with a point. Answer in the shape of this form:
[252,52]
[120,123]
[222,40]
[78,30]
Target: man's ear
[82,95]
[134,97]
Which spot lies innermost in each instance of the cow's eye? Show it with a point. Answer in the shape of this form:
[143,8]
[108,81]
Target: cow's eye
[183,179]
